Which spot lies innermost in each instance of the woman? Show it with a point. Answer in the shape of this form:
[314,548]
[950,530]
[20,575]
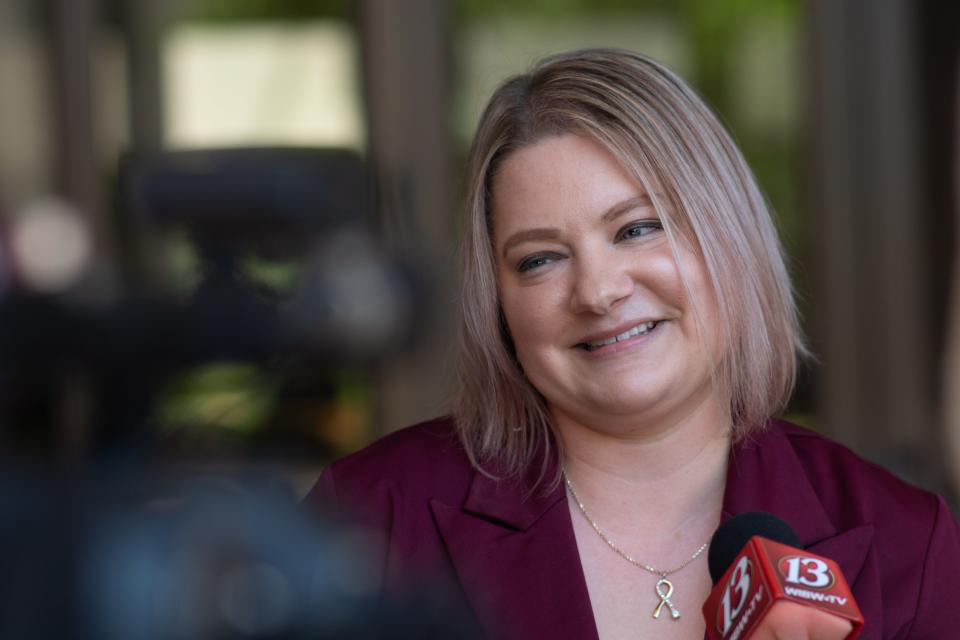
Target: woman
[627,331]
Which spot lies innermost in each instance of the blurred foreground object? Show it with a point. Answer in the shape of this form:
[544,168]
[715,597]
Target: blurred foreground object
[205,557]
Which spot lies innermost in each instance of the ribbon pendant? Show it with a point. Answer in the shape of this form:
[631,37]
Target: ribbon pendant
[664,590]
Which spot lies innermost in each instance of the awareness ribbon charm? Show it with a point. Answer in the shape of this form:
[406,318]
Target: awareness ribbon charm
[664,596]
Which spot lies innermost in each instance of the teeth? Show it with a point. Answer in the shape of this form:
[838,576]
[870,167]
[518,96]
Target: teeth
[645,327]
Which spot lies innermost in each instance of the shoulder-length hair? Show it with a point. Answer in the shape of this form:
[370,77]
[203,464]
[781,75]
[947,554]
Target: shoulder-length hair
[664,135]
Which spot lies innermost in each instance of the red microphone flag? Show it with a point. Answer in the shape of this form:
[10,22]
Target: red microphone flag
[765,572]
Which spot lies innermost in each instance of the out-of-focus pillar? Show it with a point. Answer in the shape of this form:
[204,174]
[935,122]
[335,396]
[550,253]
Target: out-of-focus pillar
[72,28]
[874,311]
[406,67]
[72,24]
[143,23]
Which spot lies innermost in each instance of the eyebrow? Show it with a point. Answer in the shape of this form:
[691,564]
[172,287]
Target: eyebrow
[550,233]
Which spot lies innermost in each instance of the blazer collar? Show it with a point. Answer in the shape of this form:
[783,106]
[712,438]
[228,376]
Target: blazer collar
[766,474]
[516,557]
[510,501]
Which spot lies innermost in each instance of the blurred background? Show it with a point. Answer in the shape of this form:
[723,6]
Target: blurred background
[228,227]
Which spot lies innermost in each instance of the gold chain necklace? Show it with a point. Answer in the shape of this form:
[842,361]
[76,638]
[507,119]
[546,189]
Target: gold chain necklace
[664,587]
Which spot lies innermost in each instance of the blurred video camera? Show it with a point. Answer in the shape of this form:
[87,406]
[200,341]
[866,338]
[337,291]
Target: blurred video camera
[282,266]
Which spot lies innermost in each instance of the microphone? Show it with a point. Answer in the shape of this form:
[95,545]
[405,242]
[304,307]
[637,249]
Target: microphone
[766,587]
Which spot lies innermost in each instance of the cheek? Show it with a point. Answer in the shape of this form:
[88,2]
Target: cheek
[716,339]
[533,319]
[704,310]
[663,278]
[525,318]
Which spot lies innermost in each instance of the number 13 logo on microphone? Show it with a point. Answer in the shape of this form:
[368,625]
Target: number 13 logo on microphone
[806,571]
[735,595]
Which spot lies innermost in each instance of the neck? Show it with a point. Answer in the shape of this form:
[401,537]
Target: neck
[676,472]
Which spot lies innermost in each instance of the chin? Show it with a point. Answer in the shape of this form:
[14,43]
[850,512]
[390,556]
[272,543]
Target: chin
[641,401]
[622,396]
[622,405]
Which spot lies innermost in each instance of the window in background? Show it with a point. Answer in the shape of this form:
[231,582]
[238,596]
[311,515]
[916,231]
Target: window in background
[250,73]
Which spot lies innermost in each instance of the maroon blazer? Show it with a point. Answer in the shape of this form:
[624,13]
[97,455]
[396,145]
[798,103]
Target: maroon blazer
[513,558]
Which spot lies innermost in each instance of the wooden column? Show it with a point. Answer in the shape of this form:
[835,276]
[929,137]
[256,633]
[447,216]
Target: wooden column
[873,300]
[406,68]
[71,31]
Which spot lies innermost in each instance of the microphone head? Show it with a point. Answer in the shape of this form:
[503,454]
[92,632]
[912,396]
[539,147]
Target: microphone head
[731,537]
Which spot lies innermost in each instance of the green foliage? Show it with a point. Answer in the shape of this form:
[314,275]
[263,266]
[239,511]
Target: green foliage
[275,275]
[712,25]
[710,12]
[228,395]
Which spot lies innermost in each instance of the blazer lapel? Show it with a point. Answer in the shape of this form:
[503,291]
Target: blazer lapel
[765,474]
[516,558]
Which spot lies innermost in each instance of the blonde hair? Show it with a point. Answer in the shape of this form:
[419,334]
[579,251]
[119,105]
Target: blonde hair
[669,140]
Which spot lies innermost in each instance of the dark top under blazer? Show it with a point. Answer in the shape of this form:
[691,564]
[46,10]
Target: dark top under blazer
[513,556]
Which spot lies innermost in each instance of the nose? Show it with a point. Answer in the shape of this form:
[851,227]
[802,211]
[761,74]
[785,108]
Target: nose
[600,282]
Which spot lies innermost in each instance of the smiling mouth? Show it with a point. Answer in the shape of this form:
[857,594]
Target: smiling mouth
[639,330]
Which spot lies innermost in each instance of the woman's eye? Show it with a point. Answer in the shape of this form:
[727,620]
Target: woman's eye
[533,262]
[639,229]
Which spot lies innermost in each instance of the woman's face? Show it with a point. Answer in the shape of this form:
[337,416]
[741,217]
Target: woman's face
[592,294]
